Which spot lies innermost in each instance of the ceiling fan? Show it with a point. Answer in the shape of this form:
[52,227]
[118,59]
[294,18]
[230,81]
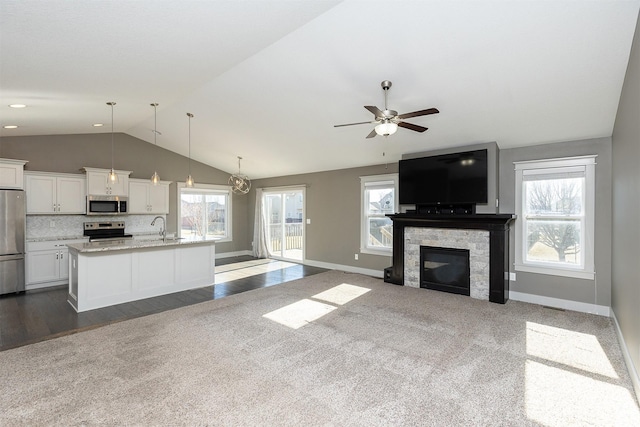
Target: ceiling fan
[388,121]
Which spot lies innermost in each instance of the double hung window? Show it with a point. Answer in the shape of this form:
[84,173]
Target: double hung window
[555,209]
[378,199]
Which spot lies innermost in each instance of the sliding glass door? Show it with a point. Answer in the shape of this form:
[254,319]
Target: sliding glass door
[284,219]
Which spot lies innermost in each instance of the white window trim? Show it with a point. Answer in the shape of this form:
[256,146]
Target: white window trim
[587,270]
[213,188]
[365,181]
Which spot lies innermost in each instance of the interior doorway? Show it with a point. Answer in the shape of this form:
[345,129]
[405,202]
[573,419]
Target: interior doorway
[284,219]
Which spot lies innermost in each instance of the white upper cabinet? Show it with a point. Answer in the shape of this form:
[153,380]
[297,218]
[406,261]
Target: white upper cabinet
[146,198]
[98,183]
[11,173]
[55,193]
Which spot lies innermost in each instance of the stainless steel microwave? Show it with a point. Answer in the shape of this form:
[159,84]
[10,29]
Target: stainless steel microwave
[107,205]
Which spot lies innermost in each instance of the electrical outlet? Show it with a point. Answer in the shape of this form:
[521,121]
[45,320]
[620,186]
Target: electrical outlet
[52,224]
[356,256]
[512,277]
[308,220]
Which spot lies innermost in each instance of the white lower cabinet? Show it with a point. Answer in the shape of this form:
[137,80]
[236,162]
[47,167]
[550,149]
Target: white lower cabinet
[47,263]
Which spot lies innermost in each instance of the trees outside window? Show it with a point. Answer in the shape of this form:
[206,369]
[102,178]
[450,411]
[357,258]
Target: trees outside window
[204,213]
[555,208]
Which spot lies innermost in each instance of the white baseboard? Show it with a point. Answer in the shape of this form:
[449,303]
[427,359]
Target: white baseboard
[232,254]
[348,268]
[633,373]
[601,310]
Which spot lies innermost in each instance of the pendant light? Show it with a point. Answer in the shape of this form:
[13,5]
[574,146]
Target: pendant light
[240,184]
[155,178]
[189,183]
[112,177]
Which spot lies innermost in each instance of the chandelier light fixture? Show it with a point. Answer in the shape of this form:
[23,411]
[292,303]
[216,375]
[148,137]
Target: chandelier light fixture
[240,184]
[112,177]
[155,178]
[189,183]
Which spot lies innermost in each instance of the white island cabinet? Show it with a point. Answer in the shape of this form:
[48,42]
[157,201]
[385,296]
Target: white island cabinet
[102,274]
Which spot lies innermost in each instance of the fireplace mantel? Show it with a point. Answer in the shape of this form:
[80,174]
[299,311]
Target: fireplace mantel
[496,224]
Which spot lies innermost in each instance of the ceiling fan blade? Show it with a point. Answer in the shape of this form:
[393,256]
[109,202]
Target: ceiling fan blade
[351,124]
[375,110]
[372,134]
[411,126]
[418,113]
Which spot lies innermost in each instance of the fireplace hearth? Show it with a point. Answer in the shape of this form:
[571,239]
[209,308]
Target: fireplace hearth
[445,269]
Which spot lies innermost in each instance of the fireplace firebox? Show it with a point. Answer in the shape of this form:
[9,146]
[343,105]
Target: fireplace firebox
[445,269]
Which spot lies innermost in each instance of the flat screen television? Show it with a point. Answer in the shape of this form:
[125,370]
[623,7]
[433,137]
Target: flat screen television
[457,178]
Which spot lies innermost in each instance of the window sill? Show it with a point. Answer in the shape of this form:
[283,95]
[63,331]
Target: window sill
[382,252]
[576,274]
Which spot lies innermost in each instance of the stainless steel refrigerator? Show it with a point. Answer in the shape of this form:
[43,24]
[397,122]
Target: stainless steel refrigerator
[12,229]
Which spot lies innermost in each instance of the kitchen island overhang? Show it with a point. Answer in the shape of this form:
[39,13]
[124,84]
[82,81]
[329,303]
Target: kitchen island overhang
[102,274]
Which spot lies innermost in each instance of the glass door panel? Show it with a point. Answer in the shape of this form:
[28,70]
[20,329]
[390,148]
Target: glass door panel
[284,214]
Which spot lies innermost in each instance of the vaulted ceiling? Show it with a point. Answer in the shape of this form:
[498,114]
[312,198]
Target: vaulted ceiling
[268,79]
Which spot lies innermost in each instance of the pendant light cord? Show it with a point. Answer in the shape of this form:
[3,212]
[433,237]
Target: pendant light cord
[190,116]
[112,136]
[112,149]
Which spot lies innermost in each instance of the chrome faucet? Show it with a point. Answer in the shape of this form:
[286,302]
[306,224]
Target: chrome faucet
[163,228]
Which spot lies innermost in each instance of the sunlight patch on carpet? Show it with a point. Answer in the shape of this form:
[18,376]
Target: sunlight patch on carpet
[341,294]
[251,270]
[560,397]
[570,348]
[299,313]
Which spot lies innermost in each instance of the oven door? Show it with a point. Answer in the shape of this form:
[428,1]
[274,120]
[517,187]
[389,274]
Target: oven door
[103,205]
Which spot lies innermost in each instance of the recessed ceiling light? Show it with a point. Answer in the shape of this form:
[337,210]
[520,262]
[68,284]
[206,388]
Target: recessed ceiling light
[10,126]
[17,105]
[97,125]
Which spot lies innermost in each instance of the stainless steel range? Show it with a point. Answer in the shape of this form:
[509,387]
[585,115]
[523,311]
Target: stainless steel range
[105,231]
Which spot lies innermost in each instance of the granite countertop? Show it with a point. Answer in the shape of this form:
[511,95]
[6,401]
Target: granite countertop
[55,238]
[130,244]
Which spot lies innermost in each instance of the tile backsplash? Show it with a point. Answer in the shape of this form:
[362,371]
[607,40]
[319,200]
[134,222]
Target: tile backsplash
[54,226]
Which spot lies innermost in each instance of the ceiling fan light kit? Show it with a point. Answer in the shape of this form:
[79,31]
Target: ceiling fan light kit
[387,121]
[386,128]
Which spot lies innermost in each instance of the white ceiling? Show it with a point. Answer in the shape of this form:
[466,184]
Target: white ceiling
[268,79]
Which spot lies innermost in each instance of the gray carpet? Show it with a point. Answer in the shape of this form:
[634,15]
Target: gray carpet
[363,353]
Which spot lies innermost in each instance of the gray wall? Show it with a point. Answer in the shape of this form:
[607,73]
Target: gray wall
[69,153]
[596,291]
[625,258]
[333,205]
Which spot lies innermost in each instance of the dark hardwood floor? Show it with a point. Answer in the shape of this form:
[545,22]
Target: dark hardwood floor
[43,314]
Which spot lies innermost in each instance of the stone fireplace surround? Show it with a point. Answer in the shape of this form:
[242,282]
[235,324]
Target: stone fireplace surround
[486,236]
[475,241]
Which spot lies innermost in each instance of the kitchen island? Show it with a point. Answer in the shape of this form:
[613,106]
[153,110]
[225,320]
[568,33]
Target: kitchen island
[107,273]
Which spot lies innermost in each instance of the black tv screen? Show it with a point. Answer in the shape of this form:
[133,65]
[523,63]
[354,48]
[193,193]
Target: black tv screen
[458,178]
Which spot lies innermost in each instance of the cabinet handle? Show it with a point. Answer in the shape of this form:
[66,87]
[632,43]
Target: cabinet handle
[57,255]
[61,255]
